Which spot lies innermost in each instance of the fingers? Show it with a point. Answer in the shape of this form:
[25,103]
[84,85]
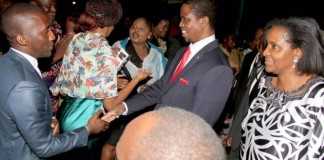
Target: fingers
[143,70]
[106,126]
[227,141]
[98,113]
[96,124]
[110,116]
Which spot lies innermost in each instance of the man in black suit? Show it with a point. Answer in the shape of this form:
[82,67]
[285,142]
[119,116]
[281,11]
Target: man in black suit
[200,81]
[25,110]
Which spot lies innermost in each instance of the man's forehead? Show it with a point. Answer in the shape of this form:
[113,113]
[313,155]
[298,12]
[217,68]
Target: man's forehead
[45,3]
[32,19]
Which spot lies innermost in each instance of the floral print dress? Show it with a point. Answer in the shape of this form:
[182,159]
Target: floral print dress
[88,74]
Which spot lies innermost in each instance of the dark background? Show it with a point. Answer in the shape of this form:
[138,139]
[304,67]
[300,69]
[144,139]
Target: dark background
[233,16]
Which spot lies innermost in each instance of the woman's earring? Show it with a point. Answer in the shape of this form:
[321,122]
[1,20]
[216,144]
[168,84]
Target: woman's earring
[295,61]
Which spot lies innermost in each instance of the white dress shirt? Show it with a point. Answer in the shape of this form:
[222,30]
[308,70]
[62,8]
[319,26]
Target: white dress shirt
[30,59]
[197,46]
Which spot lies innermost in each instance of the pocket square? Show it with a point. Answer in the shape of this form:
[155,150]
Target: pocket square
[184,81]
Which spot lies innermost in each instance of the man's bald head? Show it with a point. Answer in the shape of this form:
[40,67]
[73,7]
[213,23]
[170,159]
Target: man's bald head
[41,3]
[16,17]
[27,29]
[169,134]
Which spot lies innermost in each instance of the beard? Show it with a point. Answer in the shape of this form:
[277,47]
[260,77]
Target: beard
[46,52]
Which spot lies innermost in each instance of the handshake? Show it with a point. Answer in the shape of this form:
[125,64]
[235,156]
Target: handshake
[100,121]
[113,113]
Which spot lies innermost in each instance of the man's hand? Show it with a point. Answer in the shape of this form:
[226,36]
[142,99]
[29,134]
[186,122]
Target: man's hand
[110,116]
[227,141]
[113,112]
[96,125]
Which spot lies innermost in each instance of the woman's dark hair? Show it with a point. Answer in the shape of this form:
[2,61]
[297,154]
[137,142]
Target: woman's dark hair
[101,13]
[304,33]
[156,20]
[146,20]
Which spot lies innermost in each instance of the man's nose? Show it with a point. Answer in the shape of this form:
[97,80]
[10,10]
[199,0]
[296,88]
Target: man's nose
[51,35]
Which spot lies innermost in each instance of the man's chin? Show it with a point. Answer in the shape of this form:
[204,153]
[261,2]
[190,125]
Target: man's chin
[46,55]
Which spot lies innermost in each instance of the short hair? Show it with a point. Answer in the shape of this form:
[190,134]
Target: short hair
[4,4]
[304,33]
[179,135]
[11,18]
[104,12]
[203,8]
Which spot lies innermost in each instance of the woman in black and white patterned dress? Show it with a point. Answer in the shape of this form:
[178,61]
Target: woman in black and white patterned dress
[286,120]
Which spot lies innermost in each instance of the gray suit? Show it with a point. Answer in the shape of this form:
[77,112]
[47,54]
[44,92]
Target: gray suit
[25,114]
[202,88]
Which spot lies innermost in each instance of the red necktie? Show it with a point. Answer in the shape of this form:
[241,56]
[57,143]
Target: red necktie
[181,65]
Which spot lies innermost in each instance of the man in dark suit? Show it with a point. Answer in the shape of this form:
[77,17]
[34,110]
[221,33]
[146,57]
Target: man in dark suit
[200,81]
[25,112]
[244,92]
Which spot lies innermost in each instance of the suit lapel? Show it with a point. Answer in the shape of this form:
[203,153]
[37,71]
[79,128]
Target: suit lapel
[191,64]
[175,63]
[171,69]
[198,57]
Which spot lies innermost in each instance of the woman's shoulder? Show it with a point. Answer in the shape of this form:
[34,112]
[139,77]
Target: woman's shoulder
[316,88]
[89,37]
[155,48]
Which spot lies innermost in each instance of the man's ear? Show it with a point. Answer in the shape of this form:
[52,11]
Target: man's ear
[21,40]
[204,20]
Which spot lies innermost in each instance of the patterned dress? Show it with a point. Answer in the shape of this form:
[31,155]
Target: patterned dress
[285,126]
[88,74]
[49,77]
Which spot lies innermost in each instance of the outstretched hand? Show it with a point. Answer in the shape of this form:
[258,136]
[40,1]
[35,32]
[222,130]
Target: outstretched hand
[113,112]
[142,74]
[96,124]
[110,116]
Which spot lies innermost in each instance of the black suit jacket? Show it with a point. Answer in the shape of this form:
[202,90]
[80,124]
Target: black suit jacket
[241,98]
[25,114]
[202,88]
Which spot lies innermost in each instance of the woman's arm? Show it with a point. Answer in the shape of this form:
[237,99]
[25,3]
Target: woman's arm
[123,94]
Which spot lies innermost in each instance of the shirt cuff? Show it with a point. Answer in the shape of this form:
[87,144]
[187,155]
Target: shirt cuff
[126,109]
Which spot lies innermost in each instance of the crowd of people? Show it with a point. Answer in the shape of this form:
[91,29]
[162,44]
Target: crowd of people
[67,93]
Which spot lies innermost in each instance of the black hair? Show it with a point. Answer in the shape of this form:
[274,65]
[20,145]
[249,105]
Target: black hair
[304,33]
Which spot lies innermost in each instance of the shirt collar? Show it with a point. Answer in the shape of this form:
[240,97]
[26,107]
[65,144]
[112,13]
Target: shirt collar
[30,59]
[197,46]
